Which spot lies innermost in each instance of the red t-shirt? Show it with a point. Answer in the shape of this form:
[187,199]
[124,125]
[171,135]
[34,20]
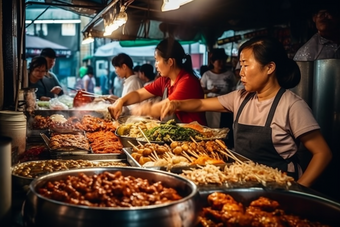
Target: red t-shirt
[186,86]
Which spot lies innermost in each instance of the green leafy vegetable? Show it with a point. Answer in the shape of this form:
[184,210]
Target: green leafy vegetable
[171,131]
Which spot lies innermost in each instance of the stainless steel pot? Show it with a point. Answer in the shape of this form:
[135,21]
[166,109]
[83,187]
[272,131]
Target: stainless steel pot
[40,211]
[306,205]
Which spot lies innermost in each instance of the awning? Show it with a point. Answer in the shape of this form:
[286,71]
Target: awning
[114,48]
[35,44]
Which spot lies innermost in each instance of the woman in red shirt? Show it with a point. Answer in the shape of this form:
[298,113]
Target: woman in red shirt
[177,81]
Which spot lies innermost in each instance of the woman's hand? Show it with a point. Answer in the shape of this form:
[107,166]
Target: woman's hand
[169,108]
[56,90]
[44,98]
[116,109]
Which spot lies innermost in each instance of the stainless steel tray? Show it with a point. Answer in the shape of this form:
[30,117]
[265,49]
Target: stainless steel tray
[68,150]
[175,169]
[306,205]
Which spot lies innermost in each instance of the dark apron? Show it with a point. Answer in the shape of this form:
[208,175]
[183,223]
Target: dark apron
[169,116]
[255,142]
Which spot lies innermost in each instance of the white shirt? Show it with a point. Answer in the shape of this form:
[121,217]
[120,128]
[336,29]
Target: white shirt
[224,81]
[131,83]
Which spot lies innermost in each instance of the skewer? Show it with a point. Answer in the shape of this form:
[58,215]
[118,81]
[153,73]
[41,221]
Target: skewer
[134,146]
[229,154]
[193,140]
[152,155]
[187,156]
[155,154]
[169,148]
[152,158]
[144,135]
[192,153]
[198,146]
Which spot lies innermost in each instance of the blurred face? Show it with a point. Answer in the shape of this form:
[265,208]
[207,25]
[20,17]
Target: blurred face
[218,64]
[254,76]
[143,77]
[50,62]
[38,73]
[121,71]
[162,66]
[326,21]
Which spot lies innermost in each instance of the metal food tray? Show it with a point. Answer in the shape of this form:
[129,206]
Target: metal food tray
[66,151]
[301,202]
[80,154]
[176,169]
[22,182]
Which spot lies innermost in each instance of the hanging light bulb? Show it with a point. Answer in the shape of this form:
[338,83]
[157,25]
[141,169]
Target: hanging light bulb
[170,5]
[173,4]
[87,38]
[121,18]
[113,23]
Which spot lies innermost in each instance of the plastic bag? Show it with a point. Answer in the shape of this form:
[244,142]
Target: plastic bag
[55,104]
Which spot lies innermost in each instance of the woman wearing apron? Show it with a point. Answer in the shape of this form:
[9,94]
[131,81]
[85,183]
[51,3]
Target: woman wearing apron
[269,121]
[177,82]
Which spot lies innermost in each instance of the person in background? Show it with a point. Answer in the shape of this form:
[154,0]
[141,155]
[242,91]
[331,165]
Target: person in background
[104,81]
[177,81]
[325,44]
[123,65]
[136,70]
[219,80]
[203,69]
[118,85]
[51,82]
[270,120]
[37,71]
[89,80]
[79,85]
[147,75]
[239,84]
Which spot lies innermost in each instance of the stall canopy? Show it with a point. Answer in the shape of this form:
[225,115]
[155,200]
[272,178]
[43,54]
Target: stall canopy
[35,44]
[114,48]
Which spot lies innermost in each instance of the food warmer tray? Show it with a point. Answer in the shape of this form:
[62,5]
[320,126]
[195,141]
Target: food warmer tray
[177,169]
[33,135]
[305,204]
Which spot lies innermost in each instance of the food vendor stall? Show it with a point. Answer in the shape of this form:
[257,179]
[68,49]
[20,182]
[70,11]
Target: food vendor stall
[186,157]
[69,139]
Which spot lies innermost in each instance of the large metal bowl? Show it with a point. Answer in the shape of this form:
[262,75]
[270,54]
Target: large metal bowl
[40,211]
[304,204]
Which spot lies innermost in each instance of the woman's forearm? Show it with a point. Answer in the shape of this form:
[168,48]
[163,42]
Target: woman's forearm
[316,166]
[130,98]
[322,155]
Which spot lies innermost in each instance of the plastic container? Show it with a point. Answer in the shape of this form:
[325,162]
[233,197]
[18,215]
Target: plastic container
[5,180]
[13,124]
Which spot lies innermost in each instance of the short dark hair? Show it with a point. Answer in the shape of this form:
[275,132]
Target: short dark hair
[89,69]
[136,68]
[48,52]
[36,62]
[218,54]
[147,69]
[121,59]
